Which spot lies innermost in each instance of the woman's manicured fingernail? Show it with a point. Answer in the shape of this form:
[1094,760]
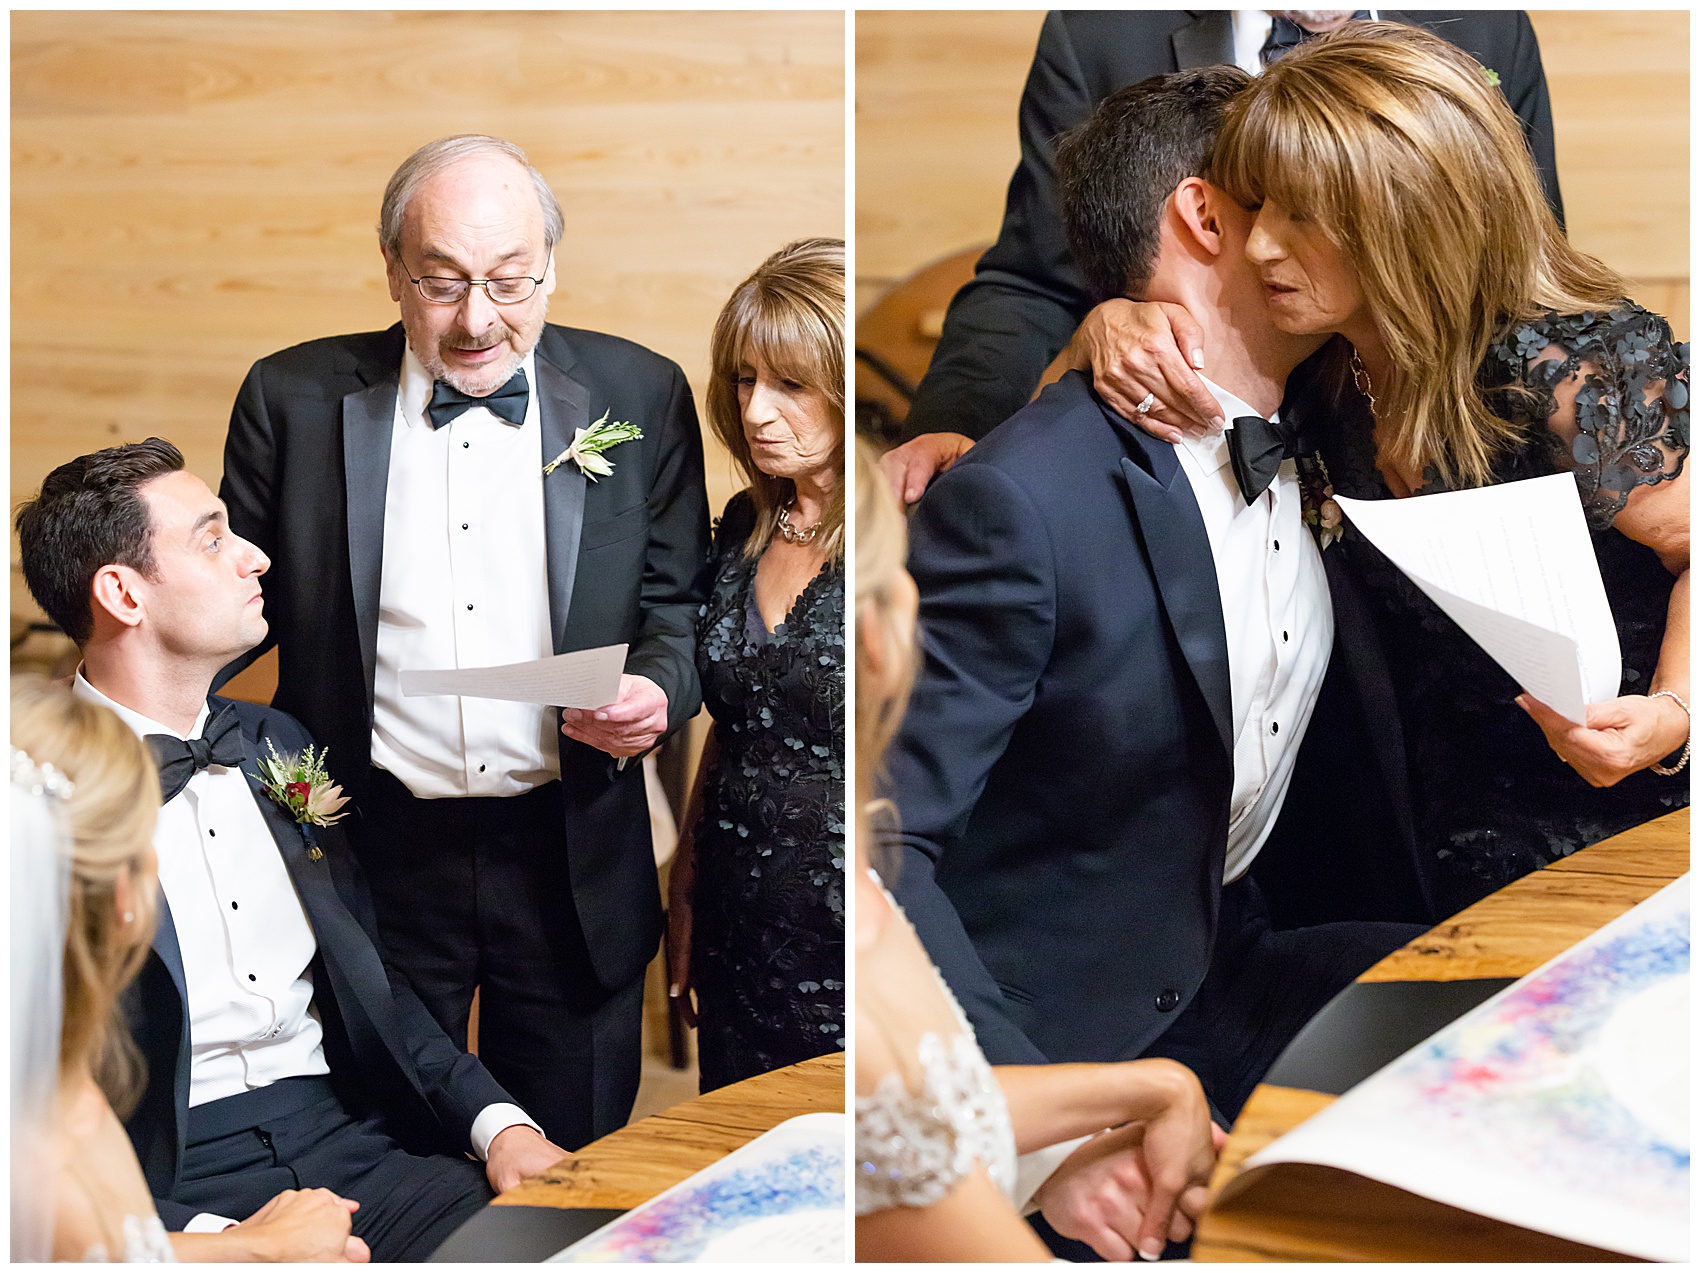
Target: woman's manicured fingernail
[1151,1249]
[1198,360]
[673,991]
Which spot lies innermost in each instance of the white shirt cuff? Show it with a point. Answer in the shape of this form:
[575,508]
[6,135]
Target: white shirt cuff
[207,1222]
[492,1120]
[1034,1169]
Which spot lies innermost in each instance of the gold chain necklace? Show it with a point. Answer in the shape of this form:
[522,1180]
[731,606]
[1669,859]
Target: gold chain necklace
[1360,378]
[790,534]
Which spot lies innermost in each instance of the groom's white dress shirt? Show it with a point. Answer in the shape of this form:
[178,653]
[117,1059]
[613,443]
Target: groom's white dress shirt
[465,583]
[1279,621]
[244,937]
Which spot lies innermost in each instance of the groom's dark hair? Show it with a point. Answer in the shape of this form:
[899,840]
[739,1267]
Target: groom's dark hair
[90,514]
[1116,171]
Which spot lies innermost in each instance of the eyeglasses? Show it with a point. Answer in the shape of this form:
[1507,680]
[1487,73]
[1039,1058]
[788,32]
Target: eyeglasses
[451,291]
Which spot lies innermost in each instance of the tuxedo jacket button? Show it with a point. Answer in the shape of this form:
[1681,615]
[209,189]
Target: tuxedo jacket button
[1168,1000]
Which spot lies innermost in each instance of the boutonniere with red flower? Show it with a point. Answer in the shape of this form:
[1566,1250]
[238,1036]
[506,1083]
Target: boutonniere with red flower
[1316,498]
[303,789]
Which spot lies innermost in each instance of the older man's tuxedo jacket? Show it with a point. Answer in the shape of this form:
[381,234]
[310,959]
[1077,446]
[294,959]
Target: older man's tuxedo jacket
[1027,296]
[306,466]
[1063,774]
[387,1057]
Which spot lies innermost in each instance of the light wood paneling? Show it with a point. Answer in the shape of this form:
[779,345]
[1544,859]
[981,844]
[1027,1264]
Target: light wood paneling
[194,190]
[936,97]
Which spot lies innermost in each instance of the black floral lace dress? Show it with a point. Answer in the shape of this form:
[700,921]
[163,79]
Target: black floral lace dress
[767,954]
[1490,798]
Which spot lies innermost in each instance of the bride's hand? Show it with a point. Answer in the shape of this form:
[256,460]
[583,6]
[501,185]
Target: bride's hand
[1135,348]
[1129,1190]
[1622,736]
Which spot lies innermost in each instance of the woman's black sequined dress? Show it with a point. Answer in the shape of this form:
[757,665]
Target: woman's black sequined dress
[767,953]
[1491,800]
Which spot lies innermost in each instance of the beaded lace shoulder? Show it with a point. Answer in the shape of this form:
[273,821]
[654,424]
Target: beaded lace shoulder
[912,1147]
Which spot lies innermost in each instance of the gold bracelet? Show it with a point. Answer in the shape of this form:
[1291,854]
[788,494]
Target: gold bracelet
[1676,768]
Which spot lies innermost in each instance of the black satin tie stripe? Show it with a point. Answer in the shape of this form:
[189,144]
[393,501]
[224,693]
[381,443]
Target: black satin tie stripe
[1256,448]
[181,759]
[508,402]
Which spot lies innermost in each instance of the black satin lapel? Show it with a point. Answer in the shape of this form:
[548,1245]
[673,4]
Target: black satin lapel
[357,974]
[563,407]
[1179,549]
[1207,42]
[169,952]
[368,419]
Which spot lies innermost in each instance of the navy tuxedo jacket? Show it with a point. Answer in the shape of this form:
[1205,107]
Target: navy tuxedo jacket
[387,1056]
[306,469]
[1027,296]
[1064,772]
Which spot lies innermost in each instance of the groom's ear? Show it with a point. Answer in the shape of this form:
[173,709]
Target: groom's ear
[115,595]
[1195,203]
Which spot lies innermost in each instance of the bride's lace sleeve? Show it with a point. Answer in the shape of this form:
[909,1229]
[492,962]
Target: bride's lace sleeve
[1629,424]
[912,1147]
[916,1137]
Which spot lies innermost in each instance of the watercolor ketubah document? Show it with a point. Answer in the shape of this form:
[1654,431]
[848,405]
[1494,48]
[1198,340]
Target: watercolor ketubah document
[1560,1105]
[778,1199]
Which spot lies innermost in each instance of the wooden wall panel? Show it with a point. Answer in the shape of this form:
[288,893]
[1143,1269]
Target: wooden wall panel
[936,97]
[194,190]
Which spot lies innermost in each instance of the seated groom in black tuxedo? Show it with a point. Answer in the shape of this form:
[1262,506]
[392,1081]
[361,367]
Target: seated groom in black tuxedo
[281,1051]
[1125,642]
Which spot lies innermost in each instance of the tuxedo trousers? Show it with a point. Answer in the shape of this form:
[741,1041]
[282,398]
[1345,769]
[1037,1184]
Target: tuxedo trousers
[294,1134]
[476,893]
[1262,987]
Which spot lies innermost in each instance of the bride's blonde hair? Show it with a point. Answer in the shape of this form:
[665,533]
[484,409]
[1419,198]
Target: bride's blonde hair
[1402,150]
[110,821]
[881,547]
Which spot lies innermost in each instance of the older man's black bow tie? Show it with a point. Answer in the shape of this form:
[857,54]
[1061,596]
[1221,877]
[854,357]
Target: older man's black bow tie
[181,759]
[1256,448]
[1285,35]
[509,401]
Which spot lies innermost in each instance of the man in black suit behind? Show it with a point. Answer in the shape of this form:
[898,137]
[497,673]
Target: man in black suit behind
[1125,642]
[1027,295]
[282,1050]
[397,481]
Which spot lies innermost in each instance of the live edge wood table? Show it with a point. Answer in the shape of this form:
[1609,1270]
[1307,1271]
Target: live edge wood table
[632,1165]
[1316,1213]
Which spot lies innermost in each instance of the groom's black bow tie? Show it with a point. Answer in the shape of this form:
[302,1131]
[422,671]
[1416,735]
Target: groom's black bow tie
[1256,448]
[1285,34]
[181,759]
[509,401]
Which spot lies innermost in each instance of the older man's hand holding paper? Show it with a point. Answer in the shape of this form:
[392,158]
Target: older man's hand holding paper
[601,705]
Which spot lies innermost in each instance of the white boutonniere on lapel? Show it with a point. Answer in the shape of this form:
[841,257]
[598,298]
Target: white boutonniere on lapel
[589,444]
[303,789]
[1316,497]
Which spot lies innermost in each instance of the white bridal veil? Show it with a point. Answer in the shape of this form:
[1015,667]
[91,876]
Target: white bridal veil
[41,880]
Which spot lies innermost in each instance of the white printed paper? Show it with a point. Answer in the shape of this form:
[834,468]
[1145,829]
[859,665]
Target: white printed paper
[584,679]
[1513,565]
[1559,1105]
[777,1200]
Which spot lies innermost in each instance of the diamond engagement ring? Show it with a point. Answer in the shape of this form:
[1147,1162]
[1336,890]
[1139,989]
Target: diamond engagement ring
[1145,403]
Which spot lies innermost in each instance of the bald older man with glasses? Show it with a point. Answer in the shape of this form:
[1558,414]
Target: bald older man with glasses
[400,483]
